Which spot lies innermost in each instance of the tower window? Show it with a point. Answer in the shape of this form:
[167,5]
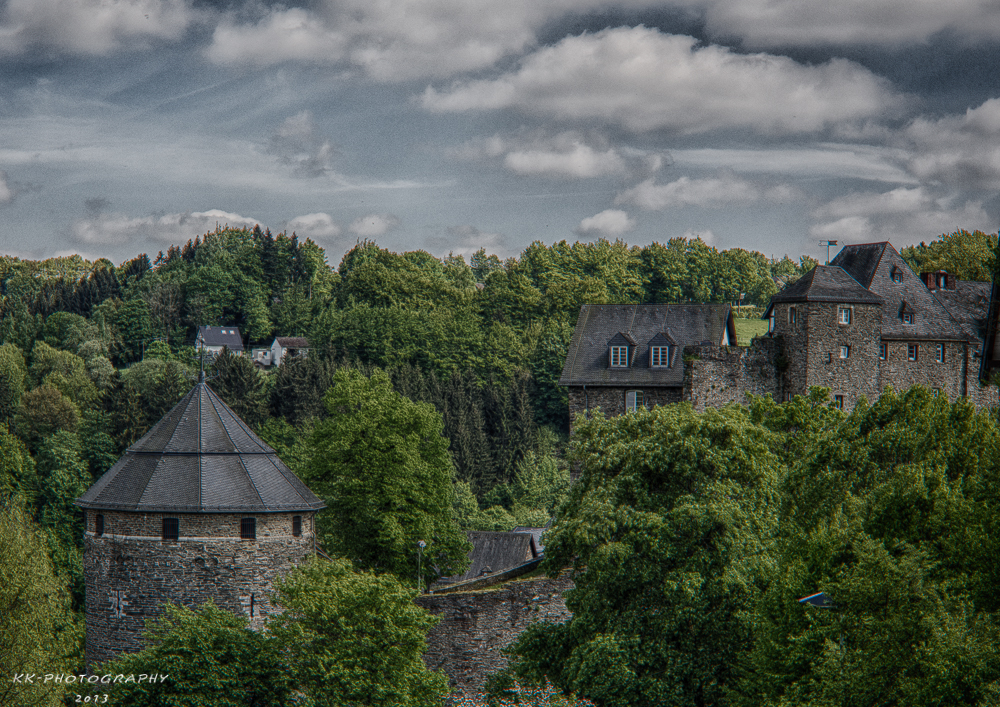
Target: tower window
[939,353]
[844,315]
[791,315]
[845,351]
[248,528]
[171,528]
[911,352]
[838,402]
[883,351]
[99,525]
[297,526]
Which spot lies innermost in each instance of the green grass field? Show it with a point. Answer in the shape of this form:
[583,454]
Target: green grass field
[746,329]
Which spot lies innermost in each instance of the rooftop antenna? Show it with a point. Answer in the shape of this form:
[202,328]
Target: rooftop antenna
[828,244]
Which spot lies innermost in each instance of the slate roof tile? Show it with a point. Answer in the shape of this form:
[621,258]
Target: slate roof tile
[200,458]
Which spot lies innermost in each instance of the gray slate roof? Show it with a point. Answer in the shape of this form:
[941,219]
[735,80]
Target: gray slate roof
[827,283]
[200,458]
[228,336]
[292,342]
[872,265]
[968,304]
[536,533]
[496,552]
[587,360]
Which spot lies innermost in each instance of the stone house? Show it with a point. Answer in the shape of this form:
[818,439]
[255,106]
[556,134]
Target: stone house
[867,322]
[861,324]
[212,339]
[625,356]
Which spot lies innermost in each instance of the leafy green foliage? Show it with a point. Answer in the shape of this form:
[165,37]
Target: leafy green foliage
[515,693]
[44,411]
[38,631]
[211,658]
[968,256]
[240,386]
[355,638]
[12,379]
[380,463]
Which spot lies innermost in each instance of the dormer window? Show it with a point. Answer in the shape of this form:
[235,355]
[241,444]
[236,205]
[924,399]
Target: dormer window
[897,274]
[621,348]
[906,313]
[662,349]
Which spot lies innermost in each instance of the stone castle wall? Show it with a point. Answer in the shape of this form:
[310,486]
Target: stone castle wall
[611,401]
[717,375]
[476,626]
[130,572]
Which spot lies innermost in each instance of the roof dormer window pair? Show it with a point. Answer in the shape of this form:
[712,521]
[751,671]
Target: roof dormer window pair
[622,349]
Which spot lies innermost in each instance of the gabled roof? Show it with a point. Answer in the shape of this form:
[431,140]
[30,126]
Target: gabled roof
[200,458]
[292,342]
[496,552]
[872,265]
[862,260]
[228,336]
[587,360]
[536,533]
[827,283]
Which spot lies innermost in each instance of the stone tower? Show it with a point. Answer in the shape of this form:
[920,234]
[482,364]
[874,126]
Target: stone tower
[199,508]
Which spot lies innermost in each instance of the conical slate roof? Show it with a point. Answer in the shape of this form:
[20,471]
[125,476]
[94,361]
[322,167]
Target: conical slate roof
[200,458]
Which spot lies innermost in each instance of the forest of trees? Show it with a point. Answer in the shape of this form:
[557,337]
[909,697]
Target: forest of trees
[93,354]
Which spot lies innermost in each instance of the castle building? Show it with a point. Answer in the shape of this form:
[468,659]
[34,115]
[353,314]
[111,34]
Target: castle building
[857,326]
[200,508]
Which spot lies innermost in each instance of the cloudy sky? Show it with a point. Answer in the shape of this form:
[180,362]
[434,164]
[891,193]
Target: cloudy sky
[449,125]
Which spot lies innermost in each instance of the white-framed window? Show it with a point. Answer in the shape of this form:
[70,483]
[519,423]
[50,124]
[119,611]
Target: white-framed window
[838,402]
[845,351]
[633,400]
[912,351]
[791,315]
[844,315]
[619,356]
[907,319]
[659,356]
[883,351]
[939,353]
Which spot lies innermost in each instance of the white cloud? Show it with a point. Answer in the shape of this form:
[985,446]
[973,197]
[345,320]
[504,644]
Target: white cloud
[645,80]
[610,222]
[465,240]
[961,151]
[579,161]
[391,40]
[319,225]
[93,27]
[6,193]
[567,154]
[102,228]
[765,23]
[298,143]
[373,225]
[712,192]
[704,234]
[903,216]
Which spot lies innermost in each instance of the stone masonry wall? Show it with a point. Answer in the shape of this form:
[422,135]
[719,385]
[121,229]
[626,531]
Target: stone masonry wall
[611,401]
[476,626]
[852,377]
[947,376]
[718,375]
[130,575]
